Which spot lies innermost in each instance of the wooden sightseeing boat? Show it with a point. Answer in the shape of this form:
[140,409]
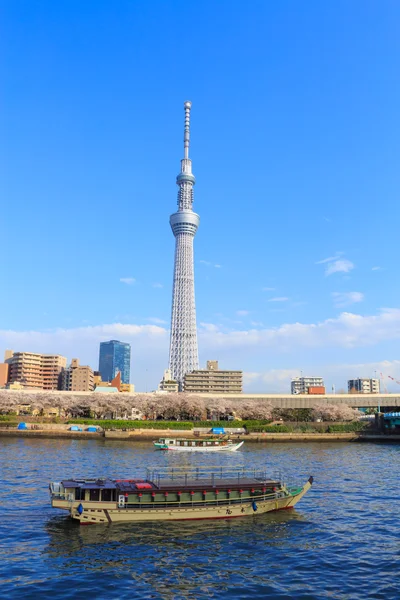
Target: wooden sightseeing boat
[175,494]
[197,445]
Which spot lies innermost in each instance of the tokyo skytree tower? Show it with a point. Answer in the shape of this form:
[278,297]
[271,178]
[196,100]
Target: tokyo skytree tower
[183,353]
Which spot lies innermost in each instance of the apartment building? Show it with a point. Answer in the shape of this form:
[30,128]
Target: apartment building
[300,385]
[4,368]
[167,384]
[363,386]
[77,378]
[32,370]
[213,380]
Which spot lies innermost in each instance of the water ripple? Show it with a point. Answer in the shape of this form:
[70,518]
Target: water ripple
[341,542]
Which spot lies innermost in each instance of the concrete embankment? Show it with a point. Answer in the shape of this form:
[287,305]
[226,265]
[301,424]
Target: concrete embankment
[46,430]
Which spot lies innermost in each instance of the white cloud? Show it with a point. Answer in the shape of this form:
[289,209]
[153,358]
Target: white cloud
[128,280]
[329,259]
[157,285]
[207,263]
[279,299]
[348,330]
[339,266]
[268,289]
[376,268]
[209,327]
[346,298]
[290,344]
[149,345]
[157,321]
[242,313]
[278,380]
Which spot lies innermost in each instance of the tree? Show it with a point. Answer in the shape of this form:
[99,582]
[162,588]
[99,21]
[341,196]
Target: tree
[255,410]
[335,412]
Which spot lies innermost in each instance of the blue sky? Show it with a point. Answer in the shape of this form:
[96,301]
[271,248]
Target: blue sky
[295,148]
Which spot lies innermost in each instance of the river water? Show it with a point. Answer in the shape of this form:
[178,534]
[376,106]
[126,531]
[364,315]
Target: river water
[341,541]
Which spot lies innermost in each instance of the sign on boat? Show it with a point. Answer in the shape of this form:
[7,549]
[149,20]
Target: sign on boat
[197,445]
[176,493]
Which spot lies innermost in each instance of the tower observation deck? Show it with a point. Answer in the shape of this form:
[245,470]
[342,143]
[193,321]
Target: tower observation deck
[183,352]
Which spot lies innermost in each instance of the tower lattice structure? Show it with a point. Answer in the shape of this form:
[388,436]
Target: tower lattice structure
[183,352]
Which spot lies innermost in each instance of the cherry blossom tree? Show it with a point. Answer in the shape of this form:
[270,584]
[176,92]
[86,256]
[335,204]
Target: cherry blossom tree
[335,412]
[255,410]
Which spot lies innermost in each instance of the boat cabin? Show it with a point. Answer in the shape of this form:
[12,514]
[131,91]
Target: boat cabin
[171,487]
[192,443]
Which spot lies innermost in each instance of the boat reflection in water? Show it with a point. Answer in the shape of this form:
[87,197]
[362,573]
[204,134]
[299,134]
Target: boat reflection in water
[170,559]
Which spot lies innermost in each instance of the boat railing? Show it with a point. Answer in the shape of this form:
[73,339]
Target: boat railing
[58,492]
[214,473]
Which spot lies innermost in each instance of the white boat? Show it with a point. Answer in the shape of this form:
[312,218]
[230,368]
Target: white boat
[193,445]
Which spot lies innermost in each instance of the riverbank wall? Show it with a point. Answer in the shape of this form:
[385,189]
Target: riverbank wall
[138,435]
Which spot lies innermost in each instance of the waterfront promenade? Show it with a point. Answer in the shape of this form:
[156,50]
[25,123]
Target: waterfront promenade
[46,430]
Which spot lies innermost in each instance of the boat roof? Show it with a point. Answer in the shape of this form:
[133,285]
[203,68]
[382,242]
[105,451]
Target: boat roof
[181,477]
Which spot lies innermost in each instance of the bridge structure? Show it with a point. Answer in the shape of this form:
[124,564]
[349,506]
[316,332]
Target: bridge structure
[310,400]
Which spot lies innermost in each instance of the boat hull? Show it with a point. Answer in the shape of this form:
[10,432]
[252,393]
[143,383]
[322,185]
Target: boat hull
[108,512]
[227,448]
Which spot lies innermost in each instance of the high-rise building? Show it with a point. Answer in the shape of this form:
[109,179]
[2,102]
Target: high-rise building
[212,380]
[363,386]
[115,356]
[31,370]
[77,378]
[183,352]
[300,385]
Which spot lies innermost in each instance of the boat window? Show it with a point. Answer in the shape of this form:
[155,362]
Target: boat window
[94,495]
[193,443]
[106,495]
[79,494]
[171,442]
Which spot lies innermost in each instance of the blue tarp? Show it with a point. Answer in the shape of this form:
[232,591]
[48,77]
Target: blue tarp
[22,426]
[218,430]
[75,428]
[91,429]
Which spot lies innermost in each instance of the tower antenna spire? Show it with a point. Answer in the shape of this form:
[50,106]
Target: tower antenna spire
[183,352]
[186,136]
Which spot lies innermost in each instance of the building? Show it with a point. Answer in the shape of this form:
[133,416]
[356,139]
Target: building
[115,356]
[183,352]
[300,385]
[167,384]
[4,369]
[363,386]
[77,378]
[127,388]
[31,370]
[212,380]
[115,383]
